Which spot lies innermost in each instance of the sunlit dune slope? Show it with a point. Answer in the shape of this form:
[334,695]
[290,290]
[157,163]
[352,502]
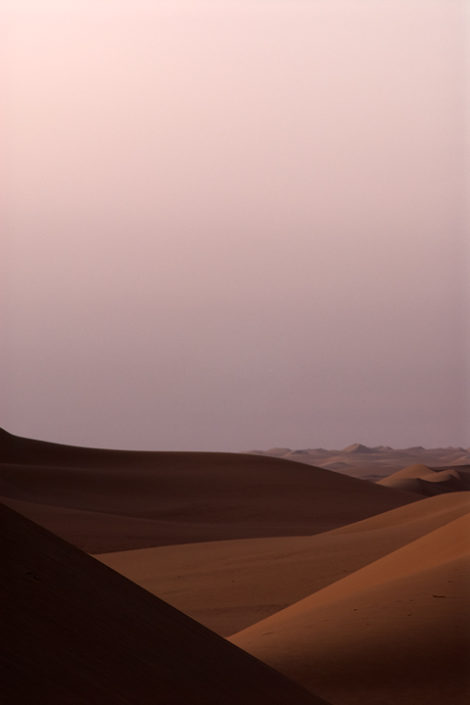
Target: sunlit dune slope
[429,481]
[397,630]
[228,585]
[74,631]
[186,497]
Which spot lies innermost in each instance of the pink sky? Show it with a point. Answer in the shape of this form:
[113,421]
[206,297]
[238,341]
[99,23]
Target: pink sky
[232,225]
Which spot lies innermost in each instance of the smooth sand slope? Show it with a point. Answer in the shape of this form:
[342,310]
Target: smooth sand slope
[228,585]
[396,631]
[75,632]
[427,481]
[177,497]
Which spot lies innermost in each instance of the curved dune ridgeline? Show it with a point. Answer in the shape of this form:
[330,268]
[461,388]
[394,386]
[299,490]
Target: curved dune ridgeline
[77,632]
[106,500]
[228,585]
[423,480]
[397,630]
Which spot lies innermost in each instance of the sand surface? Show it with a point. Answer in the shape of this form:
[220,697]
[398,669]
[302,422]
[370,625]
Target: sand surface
[421,479]
[177,497]
[356,591]
[75,632]
[228,585]
[397,630]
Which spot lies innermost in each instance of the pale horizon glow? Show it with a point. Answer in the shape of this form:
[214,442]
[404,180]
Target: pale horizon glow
[234,225]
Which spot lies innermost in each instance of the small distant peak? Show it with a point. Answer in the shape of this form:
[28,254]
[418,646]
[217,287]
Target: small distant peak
[277,451]
[417,468]
[357,448]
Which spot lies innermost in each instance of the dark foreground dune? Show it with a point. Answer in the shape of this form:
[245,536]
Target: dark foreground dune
[75,632]
[105,500]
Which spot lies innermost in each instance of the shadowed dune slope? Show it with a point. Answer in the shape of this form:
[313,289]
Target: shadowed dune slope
[95,531]
[76,632]
[397,630]
[428,481]
[185,497]
[228,585]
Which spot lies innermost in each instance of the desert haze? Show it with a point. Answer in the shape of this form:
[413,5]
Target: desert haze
[234,224]
[235,370]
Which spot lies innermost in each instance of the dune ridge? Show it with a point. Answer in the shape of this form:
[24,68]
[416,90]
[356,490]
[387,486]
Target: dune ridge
[397,630]
[428,481]
[75,631]
[228,585]
[181,497]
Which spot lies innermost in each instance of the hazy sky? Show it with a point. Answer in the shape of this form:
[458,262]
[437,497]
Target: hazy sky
[233,225]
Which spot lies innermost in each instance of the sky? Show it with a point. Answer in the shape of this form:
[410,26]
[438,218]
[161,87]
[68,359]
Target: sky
[236,224]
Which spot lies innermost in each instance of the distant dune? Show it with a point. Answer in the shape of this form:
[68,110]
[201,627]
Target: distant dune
[358,448]
[106,500]
[76,632]
[374,463]
[395,631]
[427,481]
[228,585]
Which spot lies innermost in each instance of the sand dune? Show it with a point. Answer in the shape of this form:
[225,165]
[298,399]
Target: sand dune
[355,590]
[397,630]
[228,585]
[414,470]
[357,448]
[373,463]
[427,481]
[183,497]
[96,531]
[76,632]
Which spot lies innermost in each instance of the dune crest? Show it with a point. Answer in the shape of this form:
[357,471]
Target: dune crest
[77,632]
[228,585]
[171,497]
[397,630]
[427,481]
